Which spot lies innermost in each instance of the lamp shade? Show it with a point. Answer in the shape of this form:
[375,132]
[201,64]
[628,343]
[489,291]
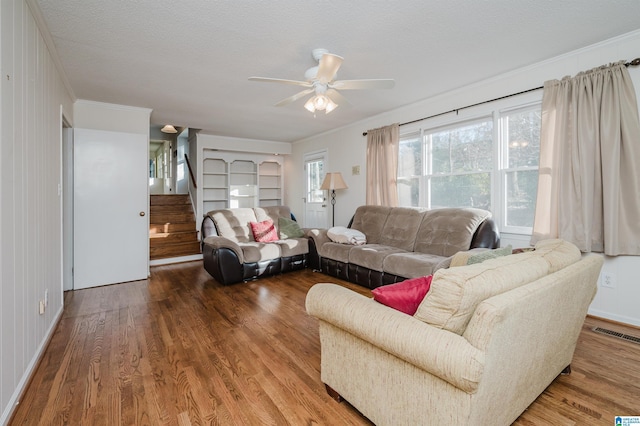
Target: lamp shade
[168,129]
[333,181]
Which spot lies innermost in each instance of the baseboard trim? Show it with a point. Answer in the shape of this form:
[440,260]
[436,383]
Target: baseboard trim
[25,381]
[606,317]
[170,260]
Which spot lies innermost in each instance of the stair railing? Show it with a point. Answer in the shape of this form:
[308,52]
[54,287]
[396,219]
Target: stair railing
[193,179]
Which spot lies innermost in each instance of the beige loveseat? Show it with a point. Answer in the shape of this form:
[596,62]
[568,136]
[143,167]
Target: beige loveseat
[401,242]
[485,342]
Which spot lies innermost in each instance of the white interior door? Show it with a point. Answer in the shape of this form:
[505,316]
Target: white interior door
[315,202]
[111,230]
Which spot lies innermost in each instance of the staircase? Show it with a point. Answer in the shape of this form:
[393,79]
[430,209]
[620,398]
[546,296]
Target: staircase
[172,229]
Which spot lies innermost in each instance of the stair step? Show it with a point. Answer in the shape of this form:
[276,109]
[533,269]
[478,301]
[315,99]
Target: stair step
[156,200]
[170,208]
[162,238]
[159,228]
[172,218]
[174,250]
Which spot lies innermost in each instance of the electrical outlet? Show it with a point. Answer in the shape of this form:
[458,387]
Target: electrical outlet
[355,170]
[608,279]
[42,308]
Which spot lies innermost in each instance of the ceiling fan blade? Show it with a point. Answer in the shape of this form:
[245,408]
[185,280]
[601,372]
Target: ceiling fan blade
[280,80]
[337,97]
[379,83]
[294,97]
[329,65]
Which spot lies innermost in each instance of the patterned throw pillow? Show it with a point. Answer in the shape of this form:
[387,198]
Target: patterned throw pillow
[289,228]
[264,231]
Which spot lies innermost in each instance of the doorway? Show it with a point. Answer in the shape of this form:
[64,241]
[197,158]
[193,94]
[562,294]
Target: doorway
[67,205]
[315,200]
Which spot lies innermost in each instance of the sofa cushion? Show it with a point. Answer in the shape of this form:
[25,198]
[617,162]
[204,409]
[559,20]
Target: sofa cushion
[255,252]
[293,246]
[445,232]
[264,232]
[289,228]
[336,251]
[401,227]
[456,292]
[371,255]
[411,265]
[234,223]
[370,221]
[404,296]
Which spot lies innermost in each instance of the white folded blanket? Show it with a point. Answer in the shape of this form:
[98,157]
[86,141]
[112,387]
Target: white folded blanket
[343,235]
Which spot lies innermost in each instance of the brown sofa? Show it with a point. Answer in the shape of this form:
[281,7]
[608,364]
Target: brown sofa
[401,243]
[231,254]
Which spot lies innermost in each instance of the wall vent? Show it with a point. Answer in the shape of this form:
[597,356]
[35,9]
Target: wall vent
[612,333]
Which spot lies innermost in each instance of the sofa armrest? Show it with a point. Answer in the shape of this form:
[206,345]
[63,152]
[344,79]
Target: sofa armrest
[217,242]
[444,354]
[319,236]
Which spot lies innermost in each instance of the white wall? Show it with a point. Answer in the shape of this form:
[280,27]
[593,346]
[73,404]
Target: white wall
[347,148]
[33,95]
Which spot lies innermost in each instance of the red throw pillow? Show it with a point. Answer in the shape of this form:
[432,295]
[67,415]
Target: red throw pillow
[264,231]
[404,296]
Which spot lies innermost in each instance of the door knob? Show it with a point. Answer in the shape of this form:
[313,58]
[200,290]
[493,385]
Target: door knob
[141,213]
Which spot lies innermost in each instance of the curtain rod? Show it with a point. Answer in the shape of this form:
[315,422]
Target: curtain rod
[633,63]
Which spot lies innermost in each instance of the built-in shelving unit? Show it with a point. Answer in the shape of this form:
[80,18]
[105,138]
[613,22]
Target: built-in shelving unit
[244,184]
[233,180]
[270,182]
[215,184]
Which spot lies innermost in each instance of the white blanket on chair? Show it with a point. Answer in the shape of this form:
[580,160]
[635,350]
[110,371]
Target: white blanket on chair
[343,235]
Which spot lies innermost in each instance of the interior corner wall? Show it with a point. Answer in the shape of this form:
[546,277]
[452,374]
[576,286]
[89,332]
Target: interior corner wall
[34,97]
[346,147]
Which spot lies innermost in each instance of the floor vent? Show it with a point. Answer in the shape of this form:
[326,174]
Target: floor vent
[626,337]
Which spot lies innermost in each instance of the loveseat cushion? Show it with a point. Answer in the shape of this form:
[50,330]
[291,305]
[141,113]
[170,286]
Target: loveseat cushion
[456,292]
[293,246]
[273,213]
[255,252]
[411,265]
[234,223]
[444,232]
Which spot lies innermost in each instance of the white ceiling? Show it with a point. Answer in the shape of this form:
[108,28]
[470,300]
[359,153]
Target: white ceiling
[189,60]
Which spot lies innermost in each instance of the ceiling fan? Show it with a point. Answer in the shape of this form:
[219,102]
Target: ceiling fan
[320,80]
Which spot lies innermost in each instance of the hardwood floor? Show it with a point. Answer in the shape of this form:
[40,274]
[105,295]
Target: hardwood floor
[181,349]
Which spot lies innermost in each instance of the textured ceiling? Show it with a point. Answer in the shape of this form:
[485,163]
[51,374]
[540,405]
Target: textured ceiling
[189,60]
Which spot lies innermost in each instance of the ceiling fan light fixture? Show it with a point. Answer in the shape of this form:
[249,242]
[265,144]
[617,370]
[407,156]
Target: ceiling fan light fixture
[309,105]
[168,128]
[330,106]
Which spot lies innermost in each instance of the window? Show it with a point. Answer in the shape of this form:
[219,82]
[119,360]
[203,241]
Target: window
[521,137]
[489,162]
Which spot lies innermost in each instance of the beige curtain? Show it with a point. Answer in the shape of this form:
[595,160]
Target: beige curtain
[382,166]
[589,178]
